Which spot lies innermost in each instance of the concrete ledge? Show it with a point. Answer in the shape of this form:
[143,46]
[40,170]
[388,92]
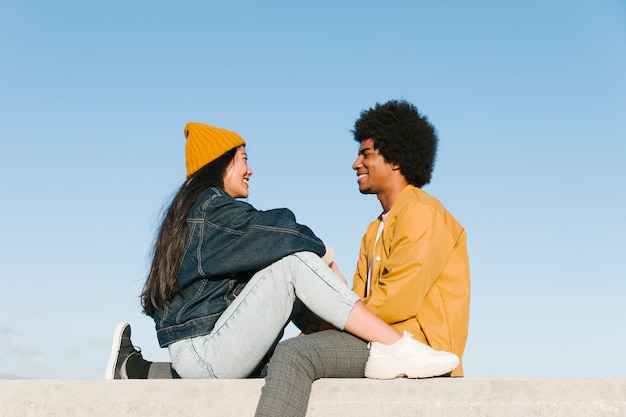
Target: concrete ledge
[466,397]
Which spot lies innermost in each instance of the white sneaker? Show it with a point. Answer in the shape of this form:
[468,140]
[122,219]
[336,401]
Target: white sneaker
[408,357]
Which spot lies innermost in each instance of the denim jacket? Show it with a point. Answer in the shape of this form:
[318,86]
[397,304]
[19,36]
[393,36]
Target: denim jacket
[227,242]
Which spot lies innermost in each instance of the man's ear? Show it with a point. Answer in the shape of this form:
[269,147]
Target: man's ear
[395,167]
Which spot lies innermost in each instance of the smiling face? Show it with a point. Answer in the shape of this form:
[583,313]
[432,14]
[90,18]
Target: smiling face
[237,175]
[373,172]
[377,176]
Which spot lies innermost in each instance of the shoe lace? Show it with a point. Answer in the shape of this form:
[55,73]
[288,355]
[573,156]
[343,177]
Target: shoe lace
[137,351]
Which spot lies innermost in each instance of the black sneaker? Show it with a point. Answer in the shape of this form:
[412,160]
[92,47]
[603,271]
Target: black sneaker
[121,350]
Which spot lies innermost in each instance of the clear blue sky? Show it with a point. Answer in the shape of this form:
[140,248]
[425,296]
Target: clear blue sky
[529,100]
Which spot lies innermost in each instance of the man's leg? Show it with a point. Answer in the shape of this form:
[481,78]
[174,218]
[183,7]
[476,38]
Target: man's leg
[299,361]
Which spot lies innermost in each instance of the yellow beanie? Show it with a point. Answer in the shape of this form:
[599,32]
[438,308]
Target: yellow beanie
[207,143]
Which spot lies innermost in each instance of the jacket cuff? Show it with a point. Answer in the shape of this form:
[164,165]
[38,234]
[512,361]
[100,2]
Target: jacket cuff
[329,255]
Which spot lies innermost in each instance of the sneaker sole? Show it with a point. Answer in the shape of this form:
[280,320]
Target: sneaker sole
[109,372]
[393,370]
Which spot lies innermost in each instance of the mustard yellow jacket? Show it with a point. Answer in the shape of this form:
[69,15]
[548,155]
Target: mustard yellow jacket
[420,275]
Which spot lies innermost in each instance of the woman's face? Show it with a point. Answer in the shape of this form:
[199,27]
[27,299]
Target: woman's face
[237,175]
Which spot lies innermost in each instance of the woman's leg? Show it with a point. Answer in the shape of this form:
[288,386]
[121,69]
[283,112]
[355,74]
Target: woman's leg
[126,361]
[239,340]
[299,361]
[249,327]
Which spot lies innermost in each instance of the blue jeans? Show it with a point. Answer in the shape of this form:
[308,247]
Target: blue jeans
[251,325]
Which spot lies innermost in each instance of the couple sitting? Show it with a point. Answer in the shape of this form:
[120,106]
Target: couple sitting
[226,278]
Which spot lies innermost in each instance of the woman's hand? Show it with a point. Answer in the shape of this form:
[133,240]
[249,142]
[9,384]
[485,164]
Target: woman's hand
[333,266]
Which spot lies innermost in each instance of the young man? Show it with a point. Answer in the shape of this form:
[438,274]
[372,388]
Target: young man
[412,271]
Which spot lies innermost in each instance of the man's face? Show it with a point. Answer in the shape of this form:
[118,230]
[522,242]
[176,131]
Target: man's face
[373,172]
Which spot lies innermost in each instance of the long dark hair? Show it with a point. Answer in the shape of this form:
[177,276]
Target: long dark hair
[169,247]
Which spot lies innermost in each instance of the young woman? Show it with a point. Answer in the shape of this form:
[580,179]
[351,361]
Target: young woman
[225,276]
